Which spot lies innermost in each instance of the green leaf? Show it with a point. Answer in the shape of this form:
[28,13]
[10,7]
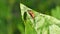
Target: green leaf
[41,24]
[56,12]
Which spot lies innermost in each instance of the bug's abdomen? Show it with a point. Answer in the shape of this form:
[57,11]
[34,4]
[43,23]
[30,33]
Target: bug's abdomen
[31,13]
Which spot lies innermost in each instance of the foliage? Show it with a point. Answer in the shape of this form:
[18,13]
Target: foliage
[15,19]
[41,24]
[56,12]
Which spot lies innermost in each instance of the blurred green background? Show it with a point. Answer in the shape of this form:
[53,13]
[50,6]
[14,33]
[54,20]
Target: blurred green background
[10,14]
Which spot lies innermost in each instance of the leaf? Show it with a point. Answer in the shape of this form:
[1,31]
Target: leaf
[56,12]
[41,24]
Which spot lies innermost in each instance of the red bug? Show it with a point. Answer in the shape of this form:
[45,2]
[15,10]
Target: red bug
[31,13]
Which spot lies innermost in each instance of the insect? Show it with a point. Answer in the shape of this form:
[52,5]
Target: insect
[31,13]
